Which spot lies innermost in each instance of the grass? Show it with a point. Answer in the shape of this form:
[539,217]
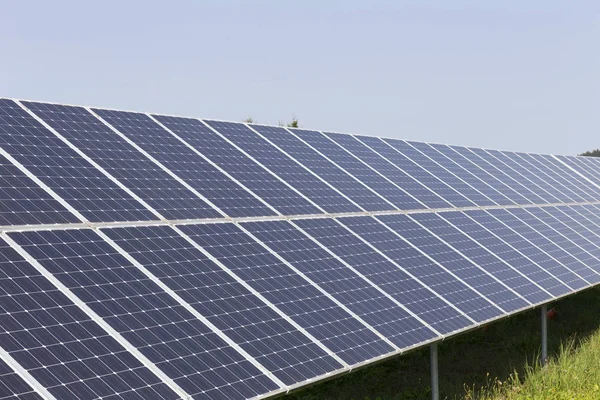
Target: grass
[472,365]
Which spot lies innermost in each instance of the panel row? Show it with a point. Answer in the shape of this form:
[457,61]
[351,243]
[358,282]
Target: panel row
[61,164]
[240,310]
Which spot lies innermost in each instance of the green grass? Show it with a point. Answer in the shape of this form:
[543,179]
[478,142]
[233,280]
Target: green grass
[501,352]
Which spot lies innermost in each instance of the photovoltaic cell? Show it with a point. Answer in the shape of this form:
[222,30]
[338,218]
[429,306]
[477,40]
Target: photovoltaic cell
[60,346]
[354,166]
[342,283]
[133,169]
[384,273]
[555,260]
[417,264]
[472,254]
[187,351]
[389,170]
[242,316]
[72,177]
[430,171]
[324,168]
[571,167]
[227,195]
[564,248]
[483,170]
[291,293]
[13,387]
[416,171]
[518,252]
[498,256]
[23,202]
[479,307]
[254,176]
[487,189]
[286,168]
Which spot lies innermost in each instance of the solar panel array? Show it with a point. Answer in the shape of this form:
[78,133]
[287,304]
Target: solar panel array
[159,257]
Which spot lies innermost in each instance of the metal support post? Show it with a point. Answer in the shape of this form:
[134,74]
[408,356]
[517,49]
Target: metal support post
[435,390]
[544,334]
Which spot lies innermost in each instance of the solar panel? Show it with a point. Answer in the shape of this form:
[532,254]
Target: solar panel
[132,168]
[355,167]
[183,162]
[65,171]
[151,320]
[147,256]
[296,175]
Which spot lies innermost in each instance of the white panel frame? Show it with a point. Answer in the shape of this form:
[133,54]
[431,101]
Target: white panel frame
[25,375]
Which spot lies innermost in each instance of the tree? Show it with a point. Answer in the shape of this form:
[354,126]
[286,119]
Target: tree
[249,120]
[593,153]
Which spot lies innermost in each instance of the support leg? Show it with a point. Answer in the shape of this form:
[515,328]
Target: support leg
[544,334]
[435,390]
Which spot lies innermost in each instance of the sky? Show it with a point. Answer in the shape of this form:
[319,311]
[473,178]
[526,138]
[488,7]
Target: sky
[513,75]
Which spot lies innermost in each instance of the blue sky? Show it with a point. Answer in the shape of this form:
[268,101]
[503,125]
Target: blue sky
[517,75]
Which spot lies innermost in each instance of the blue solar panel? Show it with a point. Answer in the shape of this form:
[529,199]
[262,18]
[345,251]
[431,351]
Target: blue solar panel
[483,170]
[321,166]
[556,181]
[479,306]
[426,270]
[563,263]
[13,387]
[584,167]
[449,161]
[383,272]
[417,172]
[497,256]
[249,322]
[567,177]
[286,168]
[294,295]
[342,283]
[227,195]
[24,202]
[60,346]
[254,176]
[519,253]
[200,362]
[354,166]
[415,188]
[499,289]
[73,178]
[569,239]
[124,162]
[500,169]
[429,167]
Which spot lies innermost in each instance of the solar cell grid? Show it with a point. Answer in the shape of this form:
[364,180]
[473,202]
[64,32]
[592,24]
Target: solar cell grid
[286,168]
[211,183]
[469,254]
[491,253]
[13,387]
[63,170]
[564,266]
[60,346]
[359,169]
[324,168]
[301,301]
[25,203]
[431,168]
[384,273]
[517,252]
[491,193]
[483,170]
[240,166]
[415,188]
[265,335]
[362,298]
[569,178]
[417,172]
[132,168]
[202,364]
[480,285]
